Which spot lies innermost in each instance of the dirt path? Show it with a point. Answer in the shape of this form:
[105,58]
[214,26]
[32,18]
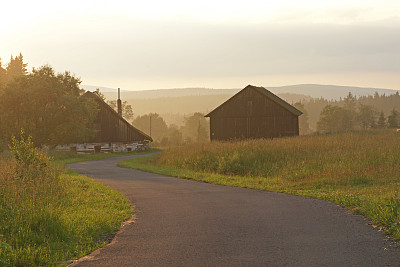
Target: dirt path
[186,223]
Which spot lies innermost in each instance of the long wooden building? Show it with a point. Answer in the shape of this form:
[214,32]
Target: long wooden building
[252,113]
[111,127]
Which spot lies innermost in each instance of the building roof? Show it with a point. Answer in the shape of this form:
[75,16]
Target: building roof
[265,93]
[105,105]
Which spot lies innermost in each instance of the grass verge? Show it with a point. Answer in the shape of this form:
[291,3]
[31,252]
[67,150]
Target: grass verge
[49,215]
[63,158]
[360,170]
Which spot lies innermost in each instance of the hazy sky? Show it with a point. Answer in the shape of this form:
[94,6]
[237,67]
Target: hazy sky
[216,44]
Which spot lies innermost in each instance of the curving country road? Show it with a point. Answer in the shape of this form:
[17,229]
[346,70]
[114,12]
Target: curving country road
[186,223]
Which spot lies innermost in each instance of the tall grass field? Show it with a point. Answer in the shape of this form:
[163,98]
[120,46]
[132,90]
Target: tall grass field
[358,170]
[49,216]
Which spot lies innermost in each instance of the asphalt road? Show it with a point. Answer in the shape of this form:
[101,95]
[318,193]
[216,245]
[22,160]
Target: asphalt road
[186,223]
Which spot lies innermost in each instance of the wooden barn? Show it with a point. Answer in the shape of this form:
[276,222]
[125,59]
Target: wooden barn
[254,112]
[111,127]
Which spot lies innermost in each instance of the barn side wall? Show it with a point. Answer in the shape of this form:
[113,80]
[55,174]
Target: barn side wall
[252,115]
[109,128]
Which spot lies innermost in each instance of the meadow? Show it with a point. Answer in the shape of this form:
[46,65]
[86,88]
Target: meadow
[50,215]
[356,170]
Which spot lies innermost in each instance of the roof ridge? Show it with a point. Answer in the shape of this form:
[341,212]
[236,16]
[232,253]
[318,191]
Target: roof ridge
[266,93]
[116,113]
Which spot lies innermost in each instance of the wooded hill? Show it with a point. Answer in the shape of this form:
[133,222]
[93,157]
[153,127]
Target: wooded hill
[329,92]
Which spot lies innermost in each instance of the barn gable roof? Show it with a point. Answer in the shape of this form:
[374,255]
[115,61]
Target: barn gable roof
[265,93]
[106,106]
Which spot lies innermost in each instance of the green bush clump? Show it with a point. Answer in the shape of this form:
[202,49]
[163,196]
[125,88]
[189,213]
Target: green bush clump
[30,204]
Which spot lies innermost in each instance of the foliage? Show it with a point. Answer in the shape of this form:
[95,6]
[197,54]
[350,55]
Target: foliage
[47,106]
[384,103]
[196,128]
[381,121]
[16,68]
[127,111]
[358,170]
[304,127]
[173,137]
[47,216]
[366,116]
[152,124]
[25,153]
[393,119]
[99,94]
[335,119]
[2,146]
[30,200]
[3,76]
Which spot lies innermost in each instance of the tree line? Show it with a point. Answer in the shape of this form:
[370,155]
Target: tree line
[48,106]
[378,103]
[350,113]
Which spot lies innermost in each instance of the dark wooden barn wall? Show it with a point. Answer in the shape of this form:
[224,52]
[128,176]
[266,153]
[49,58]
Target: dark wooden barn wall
[252,115]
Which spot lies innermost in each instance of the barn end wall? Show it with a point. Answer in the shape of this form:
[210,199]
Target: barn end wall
[251,115]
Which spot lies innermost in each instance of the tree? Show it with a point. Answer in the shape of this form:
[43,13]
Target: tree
[48,107]
[381,120]
[99,94]
[16,67]
[127,111]
[196,128]
[173,136]
[335,119]
[350,102]
[393,119]
[3,76]
[158,126]
[366,116]
[304,127]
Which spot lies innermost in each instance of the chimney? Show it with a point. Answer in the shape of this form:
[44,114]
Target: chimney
[119,103]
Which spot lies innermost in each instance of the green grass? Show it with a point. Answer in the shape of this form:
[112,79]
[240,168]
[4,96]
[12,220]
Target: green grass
[359,170]
[63,158]
[48,215]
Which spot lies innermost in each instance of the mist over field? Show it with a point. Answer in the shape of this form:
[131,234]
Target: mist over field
[176,104]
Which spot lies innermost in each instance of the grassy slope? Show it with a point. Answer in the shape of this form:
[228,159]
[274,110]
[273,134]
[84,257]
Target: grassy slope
[76,216]
[360,171]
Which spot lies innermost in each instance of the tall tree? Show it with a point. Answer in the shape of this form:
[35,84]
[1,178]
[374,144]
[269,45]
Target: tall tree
[393,119]
[350,102]
[366,116]
[16,67]
[381,120]
[3,76]
[48,107]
